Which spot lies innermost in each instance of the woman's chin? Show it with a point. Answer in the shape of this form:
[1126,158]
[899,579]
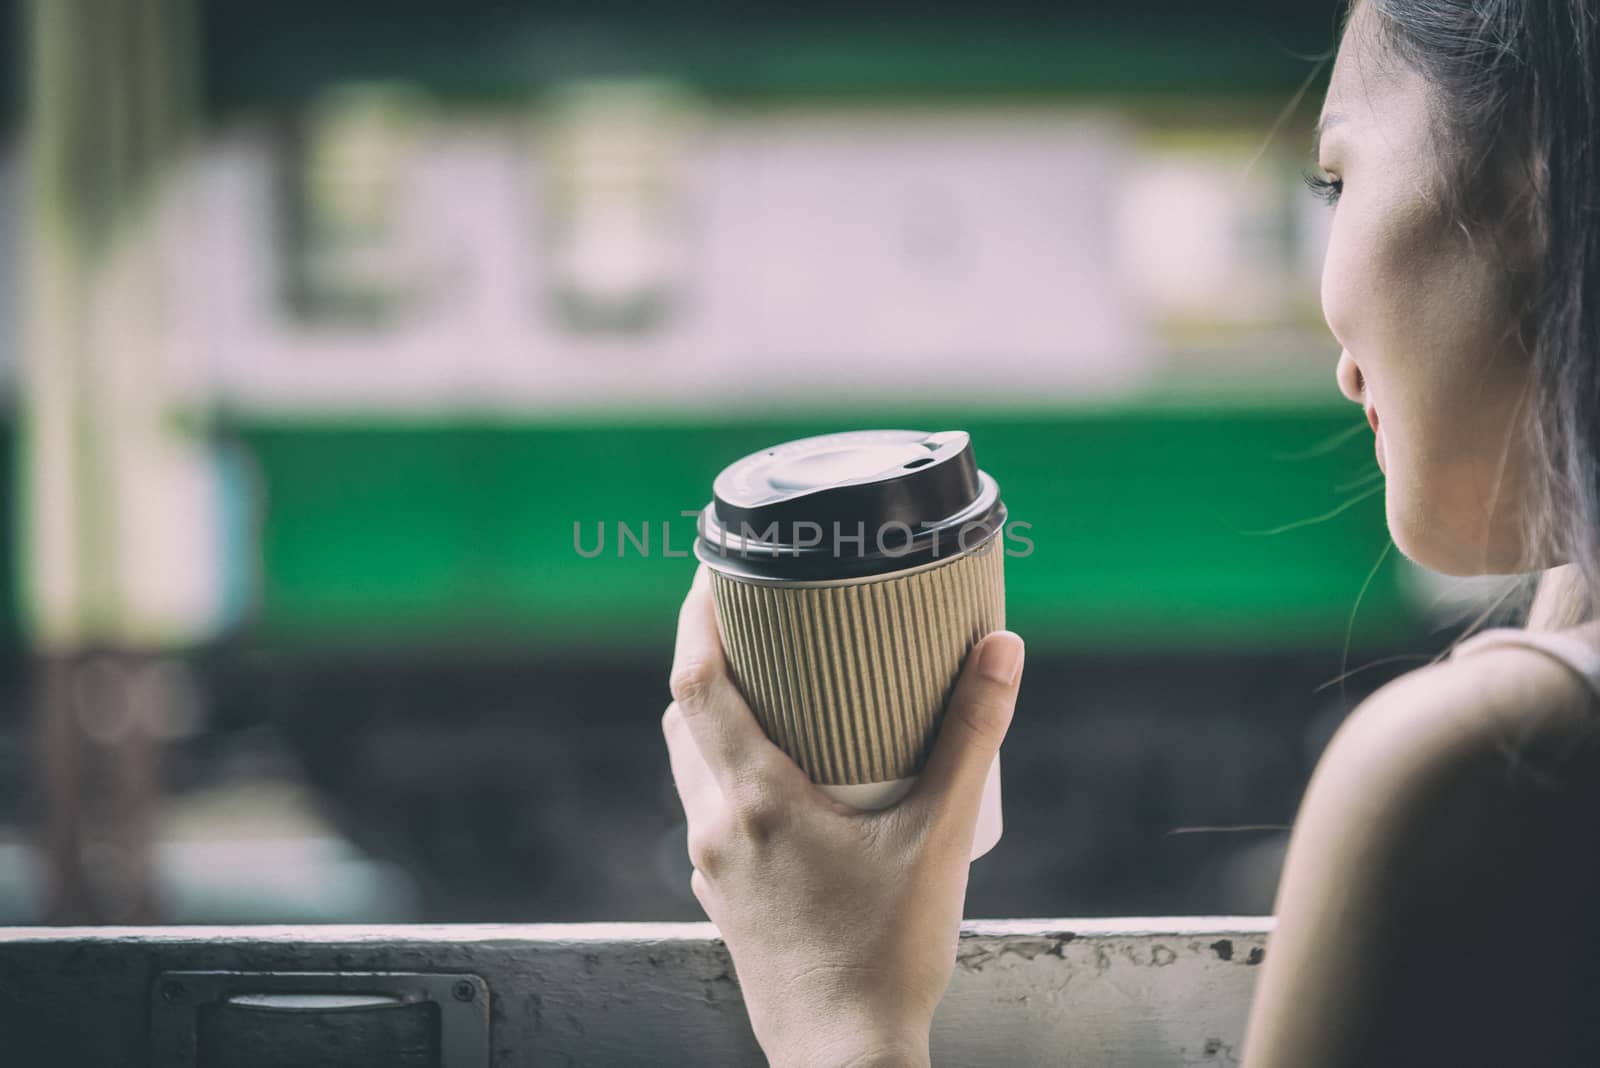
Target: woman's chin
[1461,551]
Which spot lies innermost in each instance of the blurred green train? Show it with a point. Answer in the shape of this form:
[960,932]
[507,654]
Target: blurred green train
[423,611]
[1185,515]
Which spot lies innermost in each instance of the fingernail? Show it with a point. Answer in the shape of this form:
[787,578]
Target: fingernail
[1001,657]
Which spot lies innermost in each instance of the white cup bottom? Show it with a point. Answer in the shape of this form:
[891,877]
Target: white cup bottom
[876,795]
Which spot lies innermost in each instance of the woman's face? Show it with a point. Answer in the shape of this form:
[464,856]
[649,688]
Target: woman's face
[1421,313]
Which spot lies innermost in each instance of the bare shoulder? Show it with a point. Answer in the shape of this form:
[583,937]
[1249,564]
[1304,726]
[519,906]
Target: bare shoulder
[1443,758]
[1459,740]
[1507,699]
[1440,873]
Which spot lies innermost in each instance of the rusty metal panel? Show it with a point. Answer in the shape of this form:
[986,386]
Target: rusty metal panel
[1150,992]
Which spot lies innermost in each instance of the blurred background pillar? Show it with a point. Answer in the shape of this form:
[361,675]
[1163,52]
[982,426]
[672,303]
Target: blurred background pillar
[116,564]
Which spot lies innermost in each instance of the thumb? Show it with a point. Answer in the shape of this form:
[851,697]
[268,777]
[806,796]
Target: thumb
[950,786]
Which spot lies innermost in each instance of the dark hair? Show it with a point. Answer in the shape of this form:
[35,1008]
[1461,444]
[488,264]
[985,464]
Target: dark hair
[1516,105]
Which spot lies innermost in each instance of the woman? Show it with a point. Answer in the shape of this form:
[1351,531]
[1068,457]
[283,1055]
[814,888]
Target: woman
[1440,903]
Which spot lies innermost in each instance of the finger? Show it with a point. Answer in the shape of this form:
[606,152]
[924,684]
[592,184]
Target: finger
[724,729]
[950,787]
[697,789]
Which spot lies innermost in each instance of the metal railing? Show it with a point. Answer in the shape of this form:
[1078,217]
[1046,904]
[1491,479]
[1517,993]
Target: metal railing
[1146,992]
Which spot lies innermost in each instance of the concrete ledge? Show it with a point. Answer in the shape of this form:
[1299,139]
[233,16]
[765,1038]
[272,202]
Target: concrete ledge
[1137,991]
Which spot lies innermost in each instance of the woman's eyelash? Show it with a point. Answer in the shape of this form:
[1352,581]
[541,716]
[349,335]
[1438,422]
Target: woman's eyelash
[1325,189]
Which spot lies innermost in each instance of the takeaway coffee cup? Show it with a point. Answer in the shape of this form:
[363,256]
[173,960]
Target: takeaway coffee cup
[852,574]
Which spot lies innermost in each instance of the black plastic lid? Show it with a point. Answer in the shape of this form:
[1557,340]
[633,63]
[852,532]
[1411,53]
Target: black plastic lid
[866,502]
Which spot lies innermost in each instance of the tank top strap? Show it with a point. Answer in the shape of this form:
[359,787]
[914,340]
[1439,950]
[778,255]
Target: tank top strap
[1577,654]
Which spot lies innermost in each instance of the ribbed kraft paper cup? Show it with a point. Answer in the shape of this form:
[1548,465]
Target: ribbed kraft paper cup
[852,676]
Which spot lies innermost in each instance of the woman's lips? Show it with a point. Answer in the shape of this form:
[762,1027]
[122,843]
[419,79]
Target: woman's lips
[1377,437]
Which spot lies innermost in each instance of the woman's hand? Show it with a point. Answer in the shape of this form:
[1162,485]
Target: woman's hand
[842,924]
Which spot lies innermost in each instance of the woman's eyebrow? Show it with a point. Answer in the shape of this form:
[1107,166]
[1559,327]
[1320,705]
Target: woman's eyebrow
[1331,119]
